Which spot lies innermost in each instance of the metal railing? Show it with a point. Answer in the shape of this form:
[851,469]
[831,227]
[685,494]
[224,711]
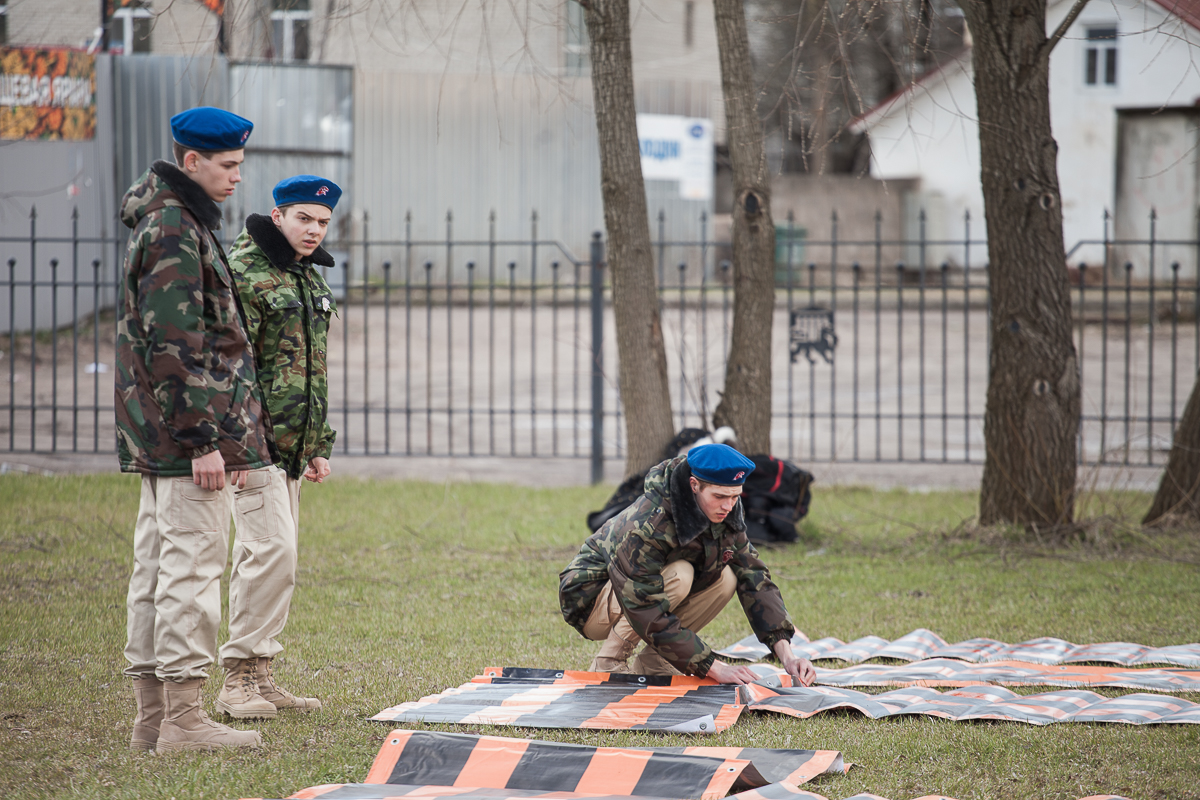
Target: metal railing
[457,347]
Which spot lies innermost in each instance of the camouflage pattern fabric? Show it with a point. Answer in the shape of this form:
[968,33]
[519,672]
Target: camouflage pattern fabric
[663,525]
[185,382]
[288,310]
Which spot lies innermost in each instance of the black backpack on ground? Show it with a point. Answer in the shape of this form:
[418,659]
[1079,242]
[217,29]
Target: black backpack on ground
[776,496]
[632,487]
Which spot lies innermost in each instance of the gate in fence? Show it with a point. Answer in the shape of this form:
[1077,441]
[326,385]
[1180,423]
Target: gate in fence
[506,347]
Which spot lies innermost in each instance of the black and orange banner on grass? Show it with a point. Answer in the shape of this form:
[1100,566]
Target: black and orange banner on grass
[496,762]
[47,94]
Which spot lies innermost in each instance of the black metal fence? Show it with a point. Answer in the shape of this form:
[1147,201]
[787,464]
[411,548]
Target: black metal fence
[497,347]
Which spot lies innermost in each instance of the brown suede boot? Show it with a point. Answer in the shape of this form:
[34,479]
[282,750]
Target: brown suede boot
[649,662]
[149,694]
[279,697]
[240,697]
[613,655]
[186,727]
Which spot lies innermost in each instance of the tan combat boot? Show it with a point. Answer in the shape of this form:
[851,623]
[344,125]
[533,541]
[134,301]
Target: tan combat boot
[649,662]
[186,727]
[149,694]
[240,697]
[613,655]
[279,697]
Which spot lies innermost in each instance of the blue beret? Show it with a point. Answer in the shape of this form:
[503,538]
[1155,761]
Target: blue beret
[719,464]
[306,189]
[207,128]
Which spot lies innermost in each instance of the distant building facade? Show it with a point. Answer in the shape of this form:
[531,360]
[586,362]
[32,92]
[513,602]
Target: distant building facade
[1124,90]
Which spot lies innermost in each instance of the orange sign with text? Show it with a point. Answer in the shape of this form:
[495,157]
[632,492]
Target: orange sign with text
[47,94]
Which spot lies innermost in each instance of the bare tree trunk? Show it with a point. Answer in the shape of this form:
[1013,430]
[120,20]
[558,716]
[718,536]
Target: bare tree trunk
[1032,419]
[643,356]
[746,402]
[1178,496]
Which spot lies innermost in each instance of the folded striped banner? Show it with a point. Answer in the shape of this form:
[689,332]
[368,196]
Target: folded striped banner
[564,699]
[368,791]
[923,644]
[495,762]
[979,702]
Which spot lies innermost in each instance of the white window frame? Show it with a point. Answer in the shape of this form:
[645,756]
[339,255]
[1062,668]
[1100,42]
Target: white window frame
[577,51]
[1101,50]
[125,16]
[285,50]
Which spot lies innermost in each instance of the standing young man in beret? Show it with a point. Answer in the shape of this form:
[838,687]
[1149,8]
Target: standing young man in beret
[664,568]
[288,308]
[190,420]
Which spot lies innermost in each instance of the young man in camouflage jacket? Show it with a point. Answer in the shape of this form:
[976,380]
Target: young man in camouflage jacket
[189,410]
[664,568]
[288,308]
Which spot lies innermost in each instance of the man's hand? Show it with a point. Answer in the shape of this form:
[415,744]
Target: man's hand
[727,673]
[318,470]
[799,668]
[208,472]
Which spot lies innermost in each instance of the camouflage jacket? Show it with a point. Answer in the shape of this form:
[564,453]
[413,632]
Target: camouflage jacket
[185,382]
[288,308]
[666,524]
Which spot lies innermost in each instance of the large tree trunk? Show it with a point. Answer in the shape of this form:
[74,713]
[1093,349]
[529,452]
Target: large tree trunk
[1178,497]
[643,356]
[1032,417]
[746,401]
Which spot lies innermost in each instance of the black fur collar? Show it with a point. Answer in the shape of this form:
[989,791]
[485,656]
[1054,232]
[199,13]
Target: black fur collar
[188,191]
[275,245]
[690,521]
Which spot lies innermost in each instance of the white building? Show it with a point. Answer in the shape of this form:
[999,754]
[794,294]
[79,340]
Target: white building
[1124,95]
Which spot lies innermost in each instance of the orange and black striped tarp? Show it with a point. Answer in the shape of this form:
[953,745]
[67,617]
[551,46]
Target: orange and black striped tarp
[495,762]
[559,699]
[368,791]
[923,644]
[563,699]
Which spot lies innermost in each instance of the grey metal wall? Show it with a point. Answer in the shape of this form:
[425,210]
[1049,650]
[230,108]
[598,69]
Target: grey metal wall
[57,179]
[147,91]
[511,144]
[303,123]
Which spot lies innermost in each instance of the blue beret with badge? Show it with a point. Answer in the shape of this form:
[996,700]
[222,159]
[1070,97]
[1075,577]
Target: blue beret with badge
[306,189]
[719,464]
[208,128]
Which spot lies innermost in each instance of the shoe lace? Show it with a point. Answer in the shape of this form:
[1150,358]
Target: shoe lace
[249,679]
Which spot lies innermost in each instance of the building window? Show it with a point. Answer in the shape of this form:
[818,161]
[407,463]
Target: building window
[689,23]
[131,27]
[3,23]
[1100,67]
[291,28]
[577,49]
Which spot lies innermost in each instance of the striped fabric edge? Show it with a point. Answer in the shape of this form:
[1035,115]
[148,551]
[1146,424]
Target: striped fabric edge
[980,703]
[922,644]
[365,791]
[950,673]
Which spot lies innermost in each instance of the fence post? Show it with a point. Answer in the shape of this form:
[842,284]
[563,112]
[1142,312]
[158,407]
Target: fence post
[597,258]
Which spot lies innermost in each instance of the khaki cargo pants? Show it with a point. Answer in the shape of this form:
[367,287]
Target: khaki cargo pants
[180,546]
[693,610]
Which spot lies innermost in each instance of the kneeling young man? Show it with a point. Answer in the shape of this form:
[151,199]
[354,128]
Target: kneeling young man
[664,568]
[288,306]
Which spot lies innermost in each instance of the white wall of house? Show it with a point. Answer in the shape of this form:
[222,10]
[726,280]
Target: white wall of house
[931,131]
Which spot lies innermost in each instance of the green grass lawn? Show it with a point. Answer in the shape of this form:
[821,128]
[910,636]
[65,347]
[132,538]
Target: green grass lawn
[409,588]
